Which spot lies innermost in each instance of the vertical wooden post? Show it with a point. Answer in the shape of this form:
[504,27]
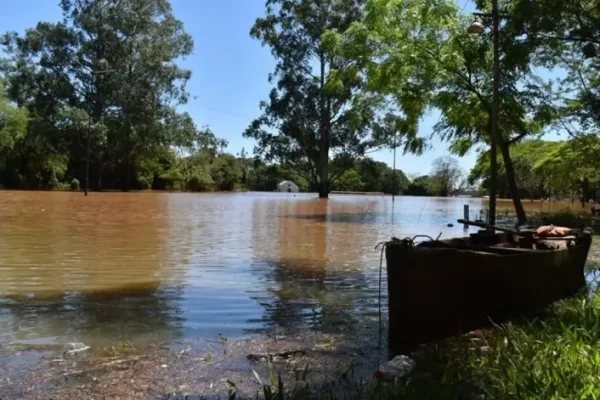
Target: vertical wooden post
[495,107]
[394,183]
[466,216]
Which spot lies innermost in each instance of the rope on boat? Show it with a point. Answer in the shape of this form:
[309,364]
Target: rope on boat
[383,246]
[409,243]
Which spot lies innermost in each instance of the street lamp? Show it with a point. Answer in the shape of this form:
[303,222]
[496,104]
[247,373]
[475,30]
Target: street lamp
[103,64]
[478,28]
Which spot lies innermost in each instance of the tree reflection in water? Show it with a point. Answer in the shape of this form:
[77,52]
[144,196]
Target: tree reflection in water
[313,271]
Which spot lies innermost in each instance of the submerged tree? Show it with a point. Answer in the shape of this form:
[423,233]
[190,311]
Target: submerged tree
[307,114]
[320,108]
[446,176]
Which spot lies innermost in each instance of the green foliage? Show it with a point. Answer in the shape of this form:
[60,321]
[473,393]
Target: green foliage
[545,169]
[393,184]
[366,175]
[420,186]
[202,171]
[200,180]
[566,217]
[320,104]
[445,179]
[553,358]
[564,35]
[572,166]
[349,181]
[418,54]
[174,179]
[75,185]
[226,172]
[266,177]
[534,181]
[13,125]
[108,72]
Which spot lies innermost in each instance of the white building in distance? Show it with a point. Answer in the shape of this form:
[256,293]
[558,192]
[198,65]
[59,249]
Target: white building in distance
[287,187]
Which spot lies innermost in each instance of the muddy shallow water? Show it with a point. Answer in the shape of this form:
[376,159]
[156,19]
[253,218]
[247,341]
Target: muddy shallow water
[151,267]
[157,269]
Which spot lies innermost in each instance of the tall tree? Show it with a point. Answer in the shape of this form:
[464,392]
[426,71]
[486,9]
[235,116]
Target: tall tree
[428,41]
[318,108]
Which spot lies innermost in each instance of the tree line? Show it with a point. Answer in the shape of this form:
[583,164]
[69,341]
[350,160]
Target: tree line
[351,77]
[104,81]
[564,170]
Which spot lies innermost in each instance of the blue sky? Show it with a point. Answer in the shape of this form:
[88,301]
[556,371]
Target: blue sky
[229,69]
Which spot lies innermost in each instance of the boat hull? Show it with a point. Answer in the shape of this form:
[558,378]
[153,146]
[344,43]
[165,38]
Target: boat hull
[440,291]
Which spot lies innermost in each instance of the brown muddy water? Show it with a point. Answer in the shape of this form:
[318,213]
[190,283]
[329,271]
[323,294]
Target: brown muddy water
[159,267]
[162,283]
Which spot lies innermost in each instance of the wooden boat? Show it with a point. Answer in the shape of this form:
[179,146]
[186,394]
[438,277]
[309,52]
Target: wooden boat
[440,288]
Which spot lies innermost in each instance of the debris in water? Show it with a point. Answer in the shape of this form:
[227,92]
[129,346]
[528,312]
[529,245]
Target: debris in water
[450,225]
[276,356]
[74,348]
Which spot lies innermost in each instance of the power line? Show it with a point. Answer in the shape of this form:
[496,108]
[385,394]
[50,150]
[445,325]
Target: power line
[464,6]
[233,114]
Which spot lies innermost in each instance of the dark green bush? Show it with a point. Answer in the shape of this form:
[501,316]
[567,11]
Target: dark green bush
[75,184]
[200,181]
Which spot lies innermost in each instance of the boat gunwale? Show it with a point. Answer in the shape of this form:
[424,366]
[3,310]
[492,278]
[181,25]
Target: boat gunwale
[494,251]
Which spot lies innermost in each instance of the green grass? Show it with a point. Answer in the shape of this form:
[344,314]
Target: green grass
[565,217]
[555,357]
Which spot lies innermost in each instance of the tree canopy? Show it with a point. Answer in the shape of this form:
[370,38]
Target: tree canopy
[545,169]
[321,107]
[107,73]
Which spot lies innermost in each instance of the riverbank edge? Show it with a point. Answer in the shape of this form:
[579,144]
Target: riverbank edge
[553,356]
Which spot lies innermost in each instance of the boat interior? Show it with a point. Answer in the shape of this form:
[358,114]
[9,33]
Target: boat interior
[502,243]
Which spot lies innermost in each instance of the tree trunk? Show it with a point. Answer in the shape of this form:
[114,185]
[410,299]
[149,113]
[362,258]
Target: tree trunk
[324,130]
[512,182]
[127,178]
[100,171]
[324,173]
[585,188]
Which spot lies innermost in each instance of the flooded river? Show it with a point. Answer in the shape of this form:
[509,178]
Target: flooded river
[159,267]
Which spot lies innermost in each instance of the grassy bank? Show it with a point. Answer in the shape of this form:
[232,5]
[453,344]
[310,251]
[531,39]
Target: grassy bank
[566,217]
[555,357]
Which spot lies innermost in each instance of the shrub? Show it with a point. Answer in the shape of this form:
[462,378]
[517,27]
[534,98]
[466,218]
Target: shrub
[54,183]
[75,184]
[568,218]
[173,179]
[145,182]
[200,181]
